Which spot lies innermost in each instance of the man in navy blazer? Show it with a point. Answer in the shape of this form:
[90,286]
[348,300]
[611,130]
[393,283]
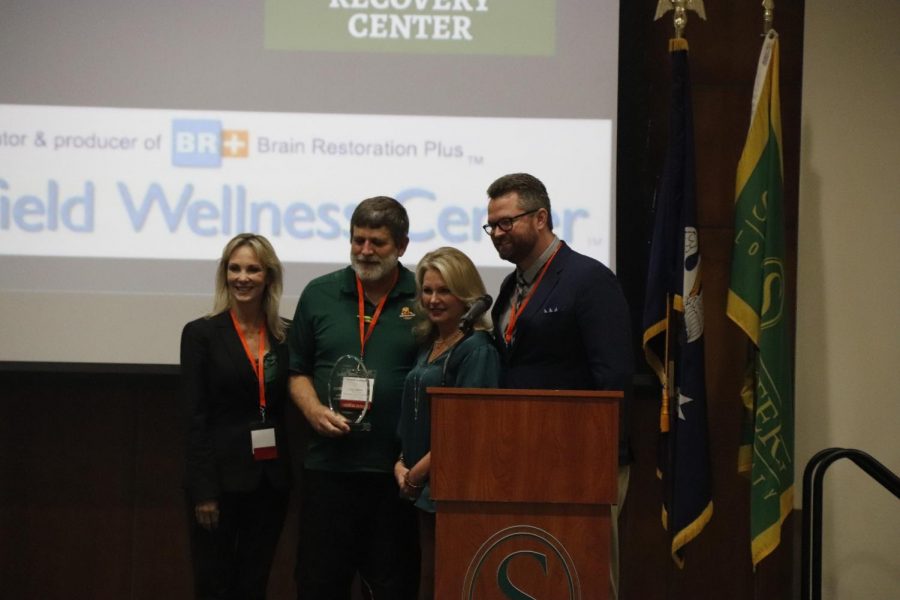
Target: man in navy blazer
[560,320]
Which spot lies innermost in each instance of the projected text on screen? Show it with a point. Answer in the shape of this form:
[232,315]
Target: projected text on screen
[174,184]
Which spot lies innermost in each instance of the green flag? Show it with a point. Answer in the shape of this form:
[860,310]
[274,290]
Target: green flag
[757,304]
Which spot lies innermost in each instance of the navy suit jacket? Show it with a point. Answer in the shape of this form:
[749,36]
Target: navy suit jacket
[574,333]
[221,395]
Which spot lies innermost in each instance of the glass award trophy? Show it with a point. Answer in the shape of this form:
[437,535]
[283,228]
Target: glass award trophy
[350,389]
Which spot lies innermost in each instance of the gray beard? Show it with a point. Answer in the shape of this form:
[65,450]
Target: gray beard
[368,272]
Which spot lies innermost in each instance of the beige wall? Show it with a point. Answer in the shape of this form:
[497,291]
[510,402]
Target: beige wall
[848,288]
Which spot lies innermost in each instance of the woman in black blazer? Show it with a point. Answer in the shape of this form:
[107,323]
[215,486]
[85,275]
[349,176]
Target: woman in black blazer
[237,475]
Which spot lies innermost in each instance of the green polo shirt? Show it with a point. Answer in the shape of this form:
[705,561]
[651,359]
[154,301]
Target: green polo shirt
[325,328]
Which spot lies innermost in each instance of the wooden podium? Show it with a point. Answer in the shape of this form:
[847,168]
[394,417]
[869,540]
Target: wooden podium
[523,481]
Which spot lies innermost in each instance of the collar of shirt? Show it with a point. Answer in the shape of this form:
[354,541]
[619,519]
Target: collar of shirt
[526,278]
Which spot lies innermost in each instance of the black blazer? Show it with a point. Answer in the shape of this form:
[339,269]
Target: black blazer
[575,332]
[220,393]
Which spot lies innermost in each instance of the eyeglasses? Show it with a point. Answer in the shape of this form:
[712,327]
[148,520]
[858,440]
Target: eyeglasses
[506,223]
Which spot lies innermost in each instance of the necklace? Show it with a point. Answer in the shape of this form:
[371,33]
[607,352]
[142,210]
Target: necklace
[416,391]
[442,345]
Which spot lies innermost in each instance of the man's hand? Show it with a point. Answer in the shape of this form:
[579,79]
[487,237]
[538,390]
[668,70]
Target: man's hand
[326,422]
[323,420]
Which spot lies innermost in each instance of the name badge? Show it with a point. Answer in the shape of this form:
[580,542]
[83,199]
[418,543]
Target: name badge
[262,441]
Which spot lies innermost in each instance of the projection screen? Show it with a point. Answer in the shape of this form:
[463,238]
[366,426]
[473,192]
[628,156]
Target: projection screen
[136,138]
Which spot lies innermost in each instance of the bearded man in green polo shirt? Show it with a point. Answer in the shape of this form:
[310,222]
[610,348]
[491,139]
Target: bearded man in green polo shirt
[351,518]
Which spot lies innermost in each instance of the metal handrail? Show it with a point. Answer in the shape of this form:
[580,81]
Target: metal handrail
[813,476]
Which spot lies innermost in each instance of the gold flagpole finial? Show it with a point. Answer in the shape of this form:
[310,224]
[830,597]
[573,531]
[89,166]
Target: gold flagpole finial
[768,15]
[681,7]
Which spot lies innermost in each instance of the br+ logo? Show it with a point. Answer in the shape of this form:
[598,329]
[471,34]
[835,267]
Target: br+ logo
[203,143]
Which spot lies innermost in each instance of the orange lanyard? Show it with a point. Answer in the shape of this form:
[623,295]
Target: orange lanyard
[258,367]
[365,334]
[518,310]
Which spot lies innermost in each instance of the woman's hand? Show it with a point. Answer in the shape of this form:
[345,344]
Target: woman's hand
[207,514]
[400,472]
[417,477]
[408,489]
[412,481]
[411,489]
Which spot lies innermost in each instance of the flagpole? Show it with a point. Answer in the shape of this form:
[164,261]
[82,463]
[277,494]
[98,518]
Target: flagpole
[768,15]
[667,385]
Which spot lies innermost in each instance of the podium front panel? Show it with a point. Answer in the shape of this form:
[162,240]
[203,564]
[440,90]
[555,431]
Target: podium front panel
[524,446]
[492,551]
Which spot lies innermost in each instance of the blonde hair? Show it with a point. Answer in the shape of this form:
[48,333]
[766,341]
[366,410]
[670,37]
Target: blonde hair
[461,278]
[266,256]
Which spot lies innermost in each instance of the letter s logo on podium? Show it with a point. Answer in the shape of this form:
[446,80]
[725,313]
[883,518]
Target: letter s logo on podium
[522,562]
[503,578]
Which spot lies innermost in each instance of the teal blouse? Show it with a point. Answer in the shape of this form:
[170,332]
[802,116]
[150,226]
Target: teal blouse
[473,363]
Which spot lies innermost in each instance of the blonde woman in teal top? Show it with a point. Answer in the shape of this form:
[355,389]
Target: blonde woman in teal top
[447,284]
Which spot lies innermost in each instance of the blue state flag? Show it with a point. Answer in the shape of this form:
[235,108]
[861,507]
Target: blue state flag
[673,326]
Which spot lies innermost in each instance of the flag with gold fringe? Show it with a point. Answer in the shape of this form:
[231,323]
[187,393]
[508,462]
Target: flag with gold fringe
[673,326]
[757,304]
